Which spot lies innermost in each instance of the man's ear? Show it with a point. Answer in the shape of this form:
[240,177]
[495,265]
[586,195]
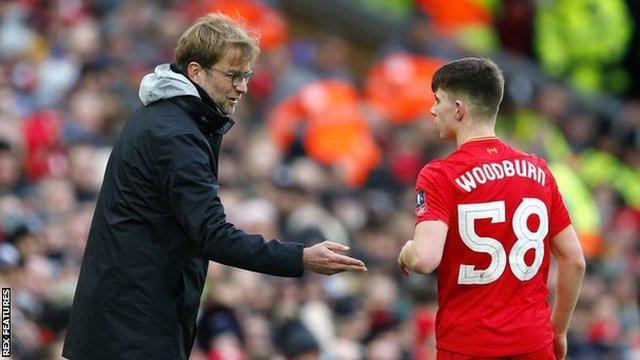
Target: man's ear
[461,110]
[195,71]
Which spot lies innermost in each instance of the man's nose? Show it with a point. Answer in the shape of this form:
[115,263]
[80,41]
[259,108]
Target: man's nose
[243,87]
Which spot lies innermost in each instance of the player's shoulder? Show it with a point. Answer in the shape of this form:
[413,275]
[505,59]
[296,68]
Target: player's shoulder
[433,173]
[531,157]
[433,167]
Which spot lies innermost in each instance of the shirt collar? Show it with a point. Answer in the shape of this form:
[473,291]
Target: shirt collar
[480,139]
[209,114]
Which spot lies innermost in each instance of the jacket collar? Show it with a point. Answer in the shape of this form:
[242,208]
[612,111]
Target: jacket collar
[204,110]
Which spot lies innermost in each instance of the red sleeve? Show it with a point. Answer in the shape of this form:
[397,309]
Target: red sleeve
[432,197]
[559,218]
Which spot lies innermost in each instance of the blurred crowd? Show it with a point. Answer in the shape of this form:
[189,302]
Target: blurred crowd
[69,77]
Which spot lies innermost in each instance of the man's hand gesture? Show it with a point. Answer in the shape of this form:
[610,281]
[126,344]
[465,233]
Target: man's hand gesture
[327,258]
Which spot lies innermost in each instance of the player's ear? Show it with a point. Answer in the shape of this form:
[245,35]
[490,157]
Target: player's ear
[461,109]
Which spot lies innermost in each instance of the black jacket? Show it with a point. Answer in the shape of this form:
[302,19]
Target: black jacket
[157,223]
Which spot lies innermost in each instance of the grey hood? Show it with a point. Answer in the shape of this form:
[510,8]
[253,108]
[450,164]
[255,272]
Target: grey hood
[164,84]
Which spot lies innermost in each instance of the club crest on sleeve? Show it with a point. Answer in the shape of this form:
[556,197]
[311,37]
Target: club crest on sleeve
[421,203]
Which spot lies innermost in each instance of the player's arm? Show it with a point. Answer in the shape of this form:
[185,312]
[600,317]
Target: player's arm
[422,255]
[565,246]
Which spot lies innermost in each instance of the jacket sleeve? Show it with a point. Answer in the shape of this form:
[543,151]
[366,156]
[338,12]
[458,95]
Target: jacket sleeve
[191,192]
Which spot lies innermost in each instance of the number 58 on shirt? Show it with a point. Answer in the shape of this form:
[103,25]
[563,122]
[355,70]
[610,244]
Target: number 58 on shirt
[527,240]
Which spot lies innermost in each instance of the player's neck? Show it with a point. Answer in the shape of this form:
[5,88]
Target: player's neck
[472,133]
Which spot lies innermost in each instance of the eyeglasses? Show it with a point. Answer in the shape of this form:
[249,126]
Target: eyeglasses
[236,77]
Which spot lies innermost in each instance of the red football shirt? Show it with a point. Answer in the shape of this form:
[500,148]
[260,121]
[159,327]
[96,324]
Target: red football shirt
[502,207]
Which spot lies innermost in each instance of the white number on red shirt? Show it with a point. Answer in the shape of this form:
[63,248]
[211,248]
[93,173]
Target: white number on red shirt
[527,240]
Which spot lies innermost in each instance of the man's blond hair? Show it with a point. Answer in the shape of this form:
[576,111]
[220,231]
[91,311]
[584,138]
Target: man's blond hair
[209,39]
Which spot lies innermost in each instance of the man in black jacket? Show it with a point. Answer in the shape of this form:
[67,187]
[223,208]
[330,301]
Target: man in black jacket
[159,220]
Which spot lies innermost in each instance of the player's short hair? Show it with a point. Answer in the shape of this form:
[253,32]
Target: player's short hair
[209,39]
[480,80]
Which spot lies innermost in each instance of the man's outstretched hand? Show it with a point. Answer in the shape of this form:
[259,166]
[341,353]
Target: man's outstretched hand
[328,258]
